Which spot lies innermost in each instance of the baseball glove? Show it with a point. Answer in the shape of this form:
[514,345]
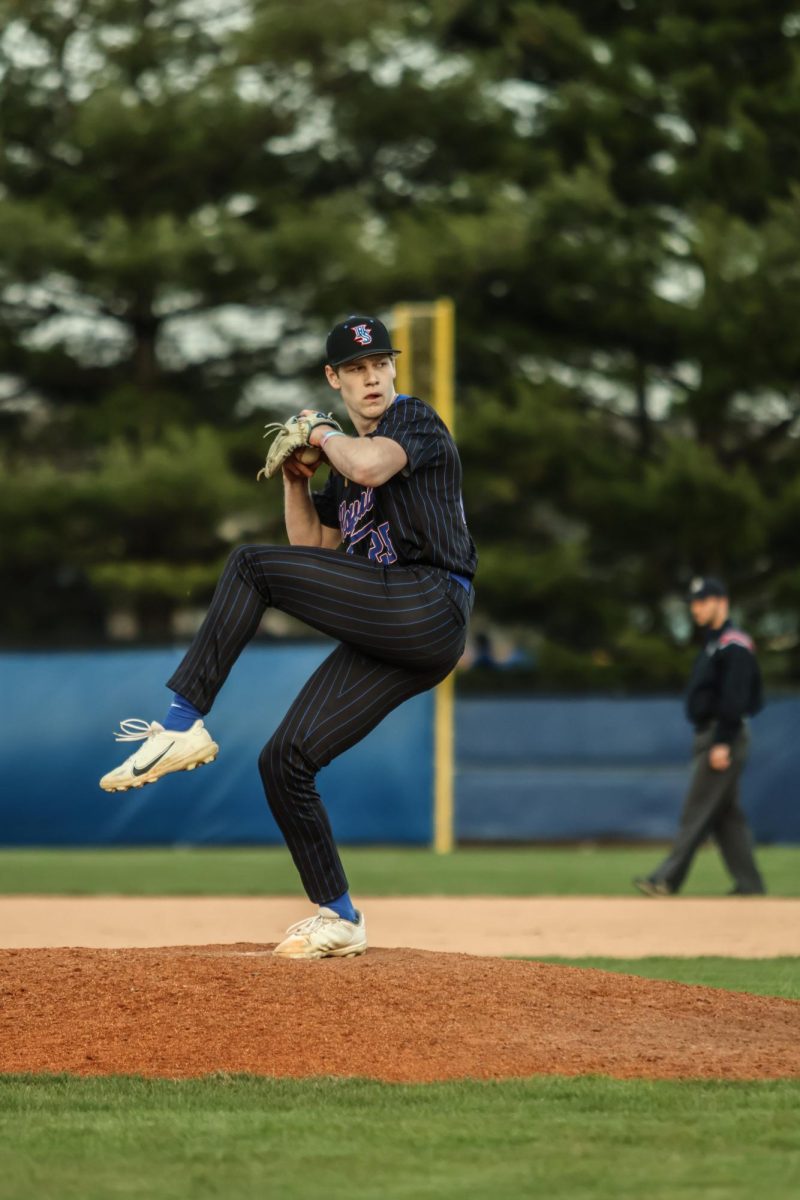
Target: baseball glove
[292,437]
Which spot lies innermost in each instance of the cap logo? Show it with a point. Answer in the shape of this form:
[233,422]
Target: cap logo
[696,585]
[363,335]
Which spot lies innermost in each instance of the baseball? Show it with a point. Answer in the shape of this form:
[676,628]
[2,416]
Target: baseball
[309,455]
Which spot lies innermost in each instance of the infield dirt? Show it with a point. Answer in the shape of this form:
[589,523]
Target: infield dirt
[524,926]
[394,1015]
[397,1014]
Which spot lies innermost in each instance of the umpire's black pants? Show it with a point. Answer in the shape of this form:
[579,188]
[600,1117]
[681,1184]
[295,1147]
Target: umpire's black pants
[402,629]
[712,808]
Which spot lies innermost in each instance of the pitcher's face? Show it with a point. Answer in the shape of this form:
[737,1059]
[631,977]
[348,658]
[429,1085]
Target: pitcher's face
[367,388]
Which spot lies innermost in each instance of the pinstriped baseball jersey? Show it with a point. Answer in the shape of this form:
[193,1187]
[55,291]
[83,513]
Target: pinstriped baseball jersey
[417,516]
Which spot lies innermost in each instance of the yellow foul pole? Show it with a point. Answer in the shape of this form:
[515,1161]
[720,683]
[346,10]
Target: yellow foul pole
[444,697]
[401,340]
[442,313]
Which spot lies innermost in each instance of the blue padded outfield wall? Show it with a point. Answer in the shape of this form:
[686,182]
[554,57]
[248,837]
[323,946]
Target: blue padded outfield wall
[527,769]
[58,713]
[550,769]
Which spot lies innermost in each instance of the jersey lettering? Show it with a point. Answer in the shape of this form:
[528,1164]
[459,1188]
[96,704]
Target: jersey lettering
[381,549]
[351,514]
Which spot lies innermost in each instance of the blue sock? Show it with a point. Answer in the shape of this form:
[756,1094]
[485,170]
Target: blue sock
[181,714]
[343,907]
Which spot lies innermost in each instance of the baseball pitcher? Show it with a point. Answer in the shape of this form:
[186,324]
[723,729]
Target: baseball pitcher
[381,559]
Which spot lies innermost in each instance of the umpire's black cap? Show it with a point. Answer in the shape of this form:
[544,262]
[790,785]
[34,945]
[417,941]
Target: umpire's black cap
[356,337]
[704,586]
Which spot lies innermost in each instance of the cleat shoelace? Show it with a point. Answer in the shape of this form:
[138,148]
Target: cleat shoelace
[308,924]
[134,729]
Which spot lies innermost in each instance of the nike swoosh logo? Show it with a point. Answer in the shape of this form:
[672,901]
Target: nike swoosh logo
[150,765]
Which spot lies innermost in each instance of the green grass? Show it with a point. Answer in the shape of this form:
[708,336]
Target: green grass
[239,1137]
[562,1139]
[512,871]
[759,976]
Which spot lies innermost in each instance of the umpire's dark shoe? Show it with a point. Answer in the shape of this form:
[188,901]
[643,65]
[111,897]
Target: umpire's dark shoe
[740,891]
[652,887]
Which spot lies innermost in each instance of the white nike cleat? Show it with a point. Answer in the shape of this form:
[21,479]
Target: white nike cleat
[164,750]
[327,935]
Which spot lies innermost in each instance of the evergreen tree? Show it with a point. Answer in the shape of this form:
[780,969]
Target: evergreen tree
[609,191]
[649,311]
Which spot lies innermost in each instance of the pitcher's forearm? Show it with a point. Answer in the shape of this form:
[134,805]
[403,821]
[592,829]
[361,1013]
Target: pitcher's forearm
[303,526]
[368,461]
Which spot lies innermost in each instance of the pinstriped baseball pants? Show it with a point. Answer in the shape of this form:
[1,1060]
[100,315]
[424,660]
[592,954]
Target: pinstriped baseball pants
[401,630]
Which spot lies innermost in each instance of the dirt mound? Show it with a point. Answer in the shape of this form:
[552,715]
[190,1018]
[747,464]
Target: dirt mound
[396,1015]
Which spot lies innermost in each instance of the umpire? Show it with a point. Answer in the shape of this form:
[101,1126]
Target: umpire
[724,689]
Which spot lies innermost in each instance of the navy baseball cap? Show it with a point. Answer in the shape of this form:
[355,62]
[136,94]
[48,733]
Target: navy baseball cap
[356,337]
[705,585]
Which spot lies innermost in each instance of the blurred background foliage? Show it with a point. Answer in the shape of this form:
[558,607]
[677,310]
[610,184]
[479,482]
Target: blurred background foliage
[609,190]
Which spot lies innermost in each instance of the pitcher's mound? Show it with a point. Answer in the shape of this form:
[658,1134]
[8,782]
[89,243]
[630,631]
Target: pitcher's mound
[397,1015]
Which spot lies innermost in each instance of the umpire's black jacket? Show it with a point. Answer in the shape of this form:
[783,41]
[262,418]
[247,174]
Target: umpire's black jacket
[725,684]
